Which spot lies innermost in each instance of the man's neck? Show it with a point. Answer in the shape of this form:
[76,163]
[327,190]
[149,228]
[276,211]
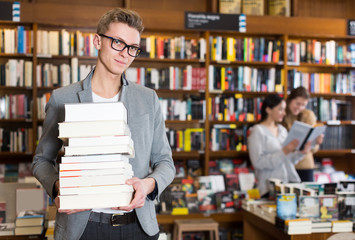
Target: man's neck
[105,84]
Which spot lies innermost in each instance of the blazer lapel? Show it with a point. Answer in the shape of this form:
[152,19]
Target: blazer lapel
[86,94]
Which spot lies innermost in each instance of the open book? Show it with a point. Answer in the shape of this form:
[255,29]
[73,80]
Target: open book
[304,133]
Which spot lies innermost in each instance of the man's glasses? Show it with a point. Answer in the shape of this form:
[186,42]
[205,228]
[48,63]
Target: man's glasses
[120,45]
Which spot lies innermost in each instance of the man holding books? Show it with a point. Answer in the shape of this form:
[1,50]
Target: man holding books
[117,41]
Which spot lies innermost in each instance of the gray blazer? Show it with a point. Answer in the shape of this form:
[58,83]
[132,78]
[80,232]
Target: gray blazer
[152,149]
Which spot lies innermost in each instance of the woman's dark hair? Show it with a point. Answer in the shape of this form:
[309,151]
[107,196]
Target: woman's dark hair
[295,93]
[270,101]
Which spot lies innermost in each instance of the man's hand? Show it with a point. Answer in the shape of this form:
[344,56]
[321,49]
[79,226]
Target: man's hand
[142,188]
[57,204]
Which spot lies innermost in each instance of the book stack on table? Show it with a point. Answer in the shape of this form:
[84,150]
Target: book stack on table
[95,165]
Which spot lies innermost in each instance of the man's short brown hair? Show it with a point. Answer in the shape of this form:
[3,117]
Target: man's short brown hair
[120,15]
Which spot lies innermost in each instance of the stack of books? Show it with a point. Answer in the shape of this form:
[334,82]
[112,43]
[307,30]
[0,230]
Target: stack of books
[298,226]
[95,165]
[29,223]
[342,226]
[321,226]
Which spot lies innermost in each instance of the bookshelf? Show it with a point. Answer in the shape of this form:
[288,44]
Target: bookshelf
[289,30]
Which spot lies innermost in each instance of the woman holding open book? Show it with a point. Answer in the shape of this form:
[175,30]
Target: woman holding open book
[296,110]
[268,155]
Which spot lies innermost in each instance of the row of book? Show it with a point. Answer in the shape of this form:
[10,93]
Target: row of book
[187,78]
[228,137]
[235,108]
[322,82]
[41,105]
[65,43]
[189,139]
[16,40]
[178,47]
[246,49]
[338,137]
[191,109]
[10,172]
[19,140]
[15,106]
[330,109]
[53,75]
[320,52]
[16,73]
[205,194]
[244,78]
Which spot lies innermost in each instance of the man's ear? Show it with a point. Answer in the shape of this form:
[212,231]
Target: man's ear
[97,41]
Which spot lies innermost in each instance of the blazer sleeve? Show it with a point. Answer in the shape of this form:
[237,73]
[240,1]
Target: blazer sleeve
[44,164]
[163,169]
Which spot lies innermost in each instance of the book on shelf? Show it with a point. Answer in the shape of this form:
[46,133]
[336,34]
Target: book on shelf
[31,199]
[230,6]
[101,189]
[125,149]
[279,8]
[93,128]
[7,229]
[328,206]
[342,226]
[286,205]
[30,218]
[2,212]
[179,205]
[30,230]
[85,112]
[346,205]
[253,7]
[304,133]
[88,201]
[99,158]
[225,202]
[308,207]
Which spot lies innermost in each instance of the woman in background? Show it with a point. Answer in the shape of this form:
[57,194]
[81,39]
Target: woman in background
[296,110]
[269,158]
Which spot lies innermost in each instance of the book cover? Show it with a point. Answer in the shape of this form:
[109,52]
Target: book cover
[253,7]
[75,112]
[328,206]
[179,205]
[2,212]
[225,202]
[286,205]
[207,200]
[346,205]
[308,207]
[230,6]
[93,128]
[279,8]
[99,158]
[94,180]
[124,149]
[304,133]
[89,201]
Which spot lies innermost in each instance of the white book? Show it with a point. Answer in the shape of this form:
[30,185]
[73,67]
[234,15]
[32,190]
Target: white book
[125,149]
[75,112]
[96,189]
[95,158]
[94,165]
[93,129]
[321,229]
[95,201]
[94,180]
[95,172]
[99,141]
[304,133]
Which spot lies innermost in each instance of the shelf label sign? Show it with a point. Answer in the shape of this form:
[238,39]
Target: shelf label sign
[10,11]
[215,21]
[351,27]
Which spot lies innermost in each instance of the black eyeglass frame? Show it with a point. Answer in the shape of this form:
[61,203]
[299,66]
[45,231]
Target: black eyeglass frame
[139,50]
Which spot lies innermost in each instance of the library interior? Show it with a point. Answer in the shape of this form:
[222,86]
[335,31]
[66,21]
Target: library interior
[233,79]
